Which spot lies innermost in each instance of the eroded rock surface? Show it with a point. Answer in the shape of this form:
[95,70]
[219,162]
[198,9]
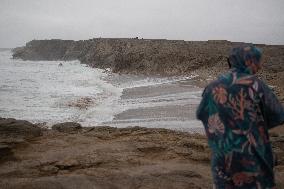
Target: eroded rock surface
[107,158]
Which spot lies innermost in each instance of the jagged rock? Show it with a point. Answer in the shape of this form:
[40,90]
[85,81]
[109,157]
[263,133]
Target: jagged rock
[67,127]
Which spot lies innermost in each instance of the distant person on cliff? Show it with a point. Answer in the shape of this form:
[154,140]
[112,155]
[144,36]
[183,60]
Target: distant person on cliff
[237,111]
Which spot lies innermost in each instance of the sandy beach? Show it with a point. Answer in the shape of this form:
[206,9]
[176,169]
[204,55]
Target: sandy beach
[171,105]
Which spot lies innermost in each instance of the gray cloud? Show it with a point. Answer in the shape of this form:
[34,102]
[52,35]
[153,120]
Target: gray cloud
[258,21]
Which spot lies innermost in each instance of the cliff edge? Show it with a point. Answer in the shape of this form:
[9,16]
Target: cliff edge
[159,57]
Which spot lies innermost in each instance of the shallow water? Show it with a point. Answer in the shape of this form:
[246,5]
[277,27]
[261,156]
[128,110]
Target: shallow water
[43,91]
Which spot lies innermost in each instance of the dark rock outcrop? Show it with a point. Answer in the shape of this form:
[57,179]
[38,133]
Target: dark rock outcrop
[67,127]
[14,132]
[18,129]
[44,50]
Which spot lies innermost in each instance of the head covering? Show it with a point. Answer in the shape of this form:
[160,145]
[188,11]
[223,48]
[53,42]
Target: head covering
[245,58]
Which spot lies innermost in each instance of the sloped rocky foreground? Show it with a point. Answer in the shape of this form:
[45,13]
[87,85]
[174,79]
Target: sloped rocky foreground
[70,156]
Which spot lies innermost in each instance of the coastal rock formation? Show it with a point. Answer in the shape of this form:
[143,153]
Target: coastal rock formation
[168,57]
[159,57]
[44,50]
[14,132]
[107,157]
[18,129]
[67,127]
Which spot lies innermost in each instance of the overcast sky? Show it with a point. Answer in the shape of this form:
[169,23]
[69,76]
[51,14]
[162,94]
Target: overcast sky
[258,21]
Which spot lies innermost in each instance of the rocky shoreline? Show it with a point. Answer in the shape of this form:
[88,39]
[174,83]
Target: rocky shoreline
[154,57]
[71,156]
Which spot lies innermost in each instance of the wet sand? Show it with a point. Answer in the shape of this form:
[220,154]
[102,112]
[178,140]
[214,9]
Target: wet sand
[171,105]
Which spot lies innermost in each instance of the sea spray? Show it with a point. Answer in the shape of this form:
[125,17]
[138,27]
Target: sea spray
[59,91]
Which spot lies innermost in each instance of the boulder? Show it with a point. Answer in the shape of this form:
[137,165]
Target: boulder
[13,132]
[18,129]
[67,127]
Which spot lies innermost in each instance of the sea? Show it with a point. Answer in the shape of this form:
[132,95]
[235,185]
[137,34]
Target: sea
[50,92]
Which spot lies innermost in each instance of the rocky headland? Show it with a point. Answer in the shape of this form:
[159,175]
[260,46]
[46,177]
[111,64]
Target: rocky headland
[155,57]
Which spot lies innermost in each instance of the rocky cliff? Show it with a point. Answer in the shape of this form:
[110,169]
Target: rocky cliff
[170,57]
[130,55]
[143,56]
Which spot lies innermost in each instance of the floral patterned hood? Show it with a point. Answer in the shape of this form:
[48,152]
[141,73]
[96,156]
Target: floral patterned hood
[246,59]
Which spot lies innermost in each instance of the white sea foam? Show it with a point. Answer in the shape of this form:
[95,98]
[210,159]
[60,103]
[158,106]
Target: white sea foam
[41,91]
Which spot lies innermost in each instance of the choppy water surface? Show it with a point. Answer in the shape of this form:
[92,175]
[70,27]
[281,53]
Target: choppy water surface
[43,91]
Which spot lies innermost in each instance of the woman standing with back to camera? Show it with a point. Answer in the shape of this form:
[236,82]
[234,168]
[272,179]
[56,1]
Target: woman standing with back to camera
[237,110]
